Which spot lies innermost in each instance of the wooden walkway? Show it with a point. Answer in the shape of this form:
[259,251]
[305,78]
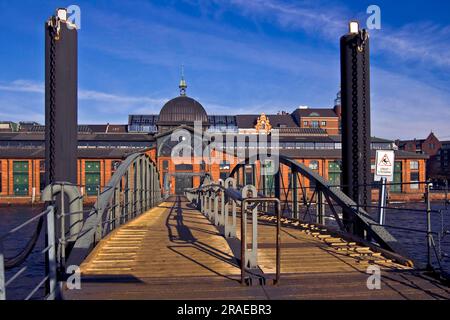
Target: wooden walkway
[174,252]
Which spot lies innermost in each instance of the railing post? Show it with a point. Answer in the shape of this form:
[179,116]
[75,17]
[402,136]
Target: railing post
[63,229]
[209,195]
[138,187]
[51,256]
[278,244]
[254,182]
[147,185]
[144,185]
[99,231]
[223,218]
[382,201]
[243,241]
[295,194]
[251,256]
[263,165]
[117,206]
[130,195]
[230,230]
[320,208]
[277,185]
[216,208]
[2,273]
[154,186]
[200,195]
[429,231]
[122,201]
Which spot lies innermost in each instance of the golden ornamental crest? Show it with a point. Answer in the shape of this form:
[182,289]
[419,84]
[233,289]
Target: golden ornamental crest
[263,124]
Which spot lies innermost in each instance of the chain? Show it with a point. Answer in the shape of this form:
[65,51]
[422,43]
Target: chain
[355,149]
[364,35]
[54,31]
[365,124]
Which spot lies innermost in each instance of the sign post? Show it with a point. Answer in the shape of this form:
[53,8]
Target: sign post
[384,172]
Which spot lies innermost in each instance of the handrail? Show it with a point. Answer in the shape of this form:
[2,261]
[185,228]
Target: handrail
[376,231]
[136,178]
[208,191]
[50,252]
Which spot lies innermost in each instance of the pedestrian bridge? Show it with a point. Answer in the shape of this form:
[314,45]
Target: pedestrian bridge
[221,240]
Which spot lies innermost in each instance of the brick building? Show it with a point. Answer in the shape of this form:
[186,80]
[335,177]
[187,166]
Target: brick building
[438,165]
[101,148]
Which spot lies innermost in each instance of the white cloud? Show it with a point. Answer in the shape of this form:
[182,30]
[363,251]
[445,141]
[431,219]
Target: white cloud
[424,42]
[403,107]
[309,16]
[28,86]
[23,100]
[23,86]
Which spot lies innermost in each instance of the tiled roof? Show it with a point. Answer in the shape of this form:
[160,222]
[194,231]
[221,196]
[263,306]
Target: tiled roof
[39,153]
[315,112]
[39,136]
[302,131]
[246,121]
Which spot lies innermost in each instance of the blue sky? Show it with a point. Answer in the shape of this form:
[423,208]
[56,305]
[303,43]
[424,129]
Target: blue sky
[240,56]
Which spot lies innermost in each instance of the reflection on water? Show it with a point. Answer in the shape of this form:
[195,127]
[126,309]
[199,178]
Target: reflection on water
[10,217]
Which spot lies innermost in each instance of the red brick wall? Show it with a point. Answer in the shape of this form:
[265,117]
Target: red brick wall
[332,126]
[106,165]
[4,181]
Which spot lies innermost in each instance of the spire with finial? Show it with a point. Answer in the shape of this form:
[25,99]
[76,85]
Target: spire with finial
[183,84]
[337,101]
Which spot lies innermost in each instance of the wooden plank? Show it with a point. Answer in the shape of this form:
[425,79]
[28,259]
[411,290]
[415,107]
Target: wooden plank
[174,252]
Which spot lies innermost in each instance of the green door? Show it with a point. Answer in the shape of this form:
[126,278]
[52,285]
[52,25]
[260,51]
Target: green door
[397,187]
[21,178]
[92,177]
[334,173]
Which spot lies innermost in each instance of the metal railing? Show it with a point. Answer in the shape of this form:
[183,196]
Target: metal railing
[209,197]
[72,232]
[309,198]
[349,217]
[49,253]
[133,189]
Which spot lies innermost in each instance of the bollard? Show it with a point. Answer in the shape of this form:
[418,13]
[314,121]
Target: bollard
[355,88]
[382,201]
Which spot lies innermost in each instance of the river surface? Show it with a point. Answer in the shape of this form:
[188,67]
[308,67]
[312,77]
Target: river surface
[413,242]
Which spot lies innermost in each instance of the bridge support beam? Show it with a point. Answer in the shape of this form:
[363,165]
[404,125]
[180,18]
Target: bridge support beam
[356,140]
[295,212]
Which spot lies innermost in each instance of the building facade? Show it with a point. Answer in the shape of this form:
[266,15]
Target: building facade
[438,165]
[310,136]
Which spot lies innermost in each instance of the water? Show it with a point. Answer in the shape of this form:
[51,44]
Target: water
[414,243]
[11,217]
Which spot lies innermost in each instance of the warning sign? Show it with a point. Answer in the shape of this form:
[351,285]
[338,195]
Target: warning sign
[384,165]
